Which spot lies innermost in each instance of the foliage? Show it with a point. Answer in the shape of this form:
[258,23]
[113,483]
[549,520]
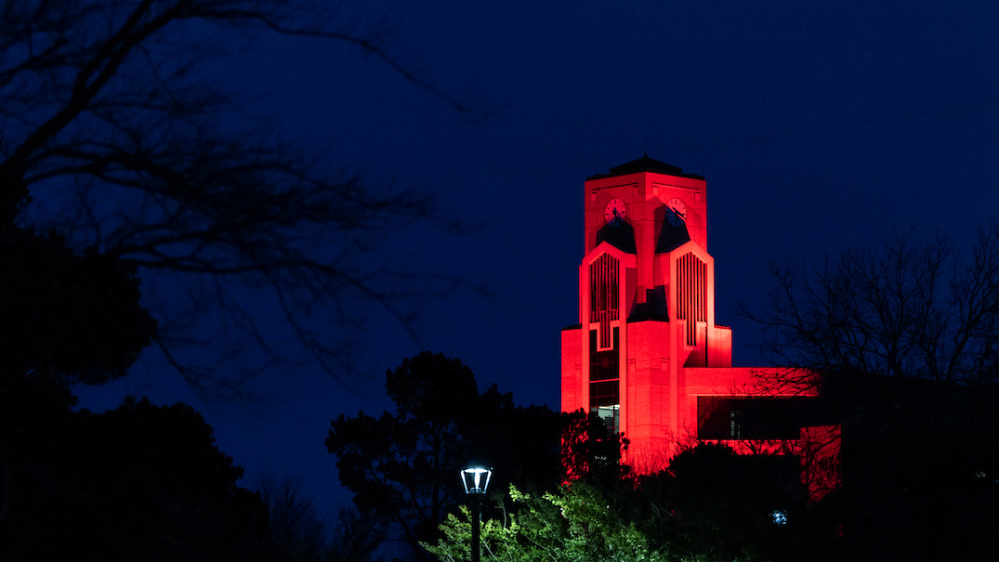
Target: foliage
[116,133]
[906,340]
[76,316]
[714,504]
[589,453]
[137,483]
[398,464]
[710,504]
[576,524]
[406,465]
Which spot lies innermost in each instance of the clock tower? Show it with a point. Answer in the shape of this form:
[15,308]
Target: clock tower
[647,355]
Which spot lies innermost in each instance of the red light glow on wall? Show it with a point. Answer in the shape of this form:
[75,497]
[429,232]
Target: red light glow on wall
[647,356]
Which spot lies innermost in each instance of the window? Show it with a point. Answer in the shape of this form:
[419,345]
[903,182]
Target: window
[609,414]
[736,423]
[692,294]
[604,296]
[604,380]
[604,365]
[750,418]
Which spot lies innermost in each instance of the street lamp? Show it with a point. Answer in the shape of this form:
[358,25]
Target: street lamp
[475,480]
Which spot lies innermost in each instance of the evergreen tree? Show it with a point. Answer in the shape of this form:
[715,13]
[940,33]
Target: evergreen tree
[139,482]
[405,465]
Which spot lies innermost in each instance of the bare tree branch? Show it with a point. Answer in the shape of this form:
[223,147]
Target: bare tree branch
[914,310]
[113,133]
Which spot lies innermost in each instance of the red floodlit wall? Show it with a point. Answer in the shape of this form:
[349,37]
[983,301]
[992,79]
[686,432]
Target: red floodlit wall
[649,403]
[819,453]
[572,375]
[653,227]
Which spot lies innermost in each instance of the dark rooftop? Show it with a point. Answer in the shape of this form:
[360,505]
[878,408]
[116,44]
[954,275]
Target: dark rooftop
[645,164]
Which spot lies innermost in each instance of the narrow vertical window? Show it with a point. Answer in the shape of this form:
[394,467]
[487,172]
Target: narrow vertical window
[735,424]
[604,382]
[604,297]
[692,294]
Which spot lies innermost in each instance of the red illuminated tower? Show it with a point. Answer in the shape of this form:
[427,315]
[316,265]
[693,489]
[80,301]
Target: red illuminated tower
[647,355]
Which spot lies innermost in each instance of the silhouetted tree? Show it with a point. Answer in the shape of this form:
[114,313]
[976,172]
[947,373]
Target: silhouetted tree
[297,531]
[137,483]
[589,452]
[714,504]
[64,318]
[357,535]
[919,310]
[906,341]
[77,317]
[406,465]
[115,134]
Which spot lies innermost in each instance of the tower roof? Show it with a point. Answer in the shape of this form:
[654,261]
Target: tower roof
[645,164]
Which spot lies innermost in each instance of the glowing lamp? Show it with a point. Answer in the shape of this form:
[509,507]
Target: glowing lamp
[476,480]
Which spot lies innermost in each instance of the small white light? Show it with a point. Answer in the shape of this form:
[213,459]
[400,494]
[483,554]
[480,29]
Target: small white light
[780,517]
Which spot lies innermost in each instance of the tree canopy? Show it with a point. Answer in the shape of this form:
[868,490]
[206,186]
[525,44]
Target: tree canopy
[406,464]
[136,483]
[573,525]
[710,504]
[75,316]
[905,337]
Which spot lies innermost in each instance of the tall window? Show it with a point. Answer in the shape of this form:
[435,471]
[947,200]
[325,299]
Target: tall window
[692,294]
[604,297]
[604,379]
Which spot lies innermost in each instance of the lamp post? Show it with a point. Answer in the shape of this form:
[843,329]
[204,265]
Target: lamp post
[476,480]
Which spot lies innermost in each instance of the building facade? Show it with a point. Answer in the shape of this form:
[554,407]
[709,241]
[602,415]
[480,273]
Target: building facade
[647,355]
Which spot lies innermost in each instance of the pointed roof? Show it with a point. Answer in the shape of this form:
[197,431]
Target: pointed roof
[645,164]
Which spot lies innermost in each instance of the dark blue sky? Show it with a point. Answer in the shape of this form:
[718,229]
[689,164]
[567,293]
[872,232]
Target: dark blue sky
[816,126]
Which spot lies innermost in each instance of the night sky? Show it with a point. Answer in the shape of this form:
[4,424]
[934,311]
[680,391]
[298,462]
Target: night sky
[816,126]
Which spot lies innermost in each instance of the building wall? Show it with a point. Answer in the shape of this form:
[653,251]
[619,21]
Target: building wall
[572,373]
[670,352]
